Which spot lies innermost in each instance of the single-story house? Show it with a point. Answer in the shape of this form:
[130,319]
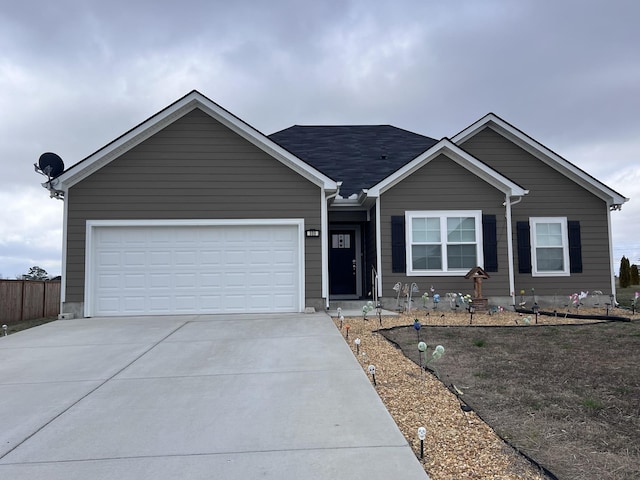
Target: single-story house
[195,211]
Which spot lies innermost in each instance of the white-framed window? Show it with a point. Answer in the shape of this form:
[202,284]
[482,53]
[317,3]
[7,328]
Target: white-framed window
[549,246]
[444,242]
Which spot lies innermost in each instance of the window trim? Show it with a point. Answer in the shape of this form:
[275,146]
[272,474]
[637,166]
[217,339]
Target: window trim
[533,222]
[443,215]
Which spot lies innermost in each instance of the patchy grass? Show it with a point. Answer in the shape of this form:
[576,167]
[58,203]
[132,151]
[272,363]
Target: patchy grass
[26,324]
[567,396]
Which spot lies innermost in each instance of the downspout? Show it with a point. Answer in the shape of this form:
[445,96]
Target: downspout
[63,271]
[378,249]
[611,261]
[325,242]
[512,283]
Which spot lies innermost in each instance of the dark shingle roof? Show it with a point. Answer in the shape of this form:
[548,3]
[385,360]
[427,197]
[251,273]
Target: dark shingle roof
[360,156]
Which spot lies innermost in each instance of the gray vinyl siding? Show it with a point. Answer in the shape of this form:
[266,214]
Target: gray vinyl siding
[195,168]
[551,194]
[442,184]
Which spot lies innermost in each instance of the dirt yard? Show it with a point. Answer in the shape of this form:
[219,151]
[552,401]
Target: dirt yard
[565,395]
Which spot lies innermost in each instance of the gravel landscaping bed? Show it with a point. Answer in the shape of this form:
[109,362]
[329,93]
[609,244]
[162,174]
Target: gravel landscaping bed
[459,444]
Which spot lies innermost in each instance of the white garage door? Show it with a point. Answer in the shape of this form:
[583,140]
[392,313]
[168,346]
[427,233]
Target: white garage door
[184,269]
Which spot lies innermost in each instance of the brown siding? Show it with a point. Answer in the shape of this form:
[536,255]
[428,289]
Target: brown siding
[551,194]
[194,168]
[443,185]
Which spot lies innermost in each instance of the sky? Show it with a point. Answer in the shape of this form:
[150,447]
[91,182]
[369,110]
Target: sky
[75,75]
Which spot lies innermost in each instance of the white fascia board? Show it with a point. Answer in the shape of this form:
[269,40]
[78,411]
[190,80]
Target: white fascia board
[172,113]
[544,154]
[462,158]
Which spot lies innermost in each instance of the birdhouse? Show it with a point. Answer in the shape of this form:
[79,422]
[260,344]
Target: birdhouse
[478,301]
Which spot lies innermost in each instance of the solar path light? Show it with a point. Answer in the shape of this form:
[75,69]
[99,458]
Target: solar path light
[422,434]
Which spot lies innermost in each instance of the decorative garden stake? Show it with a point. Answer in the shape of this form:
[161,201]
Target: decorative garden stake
[347,327]
[366,309]
[4,330]
[436,355]
[471,310]
[536,311]
[422,349]
[436,300]
[372,371]
[425,299]
[341,321]
[413,289]
[398,288]
[379,312]
[422,434]
[417,325]
[357,342]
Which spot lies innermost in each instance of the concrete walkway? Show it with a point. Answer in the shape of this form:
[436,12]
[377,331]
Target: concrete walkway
[193,397]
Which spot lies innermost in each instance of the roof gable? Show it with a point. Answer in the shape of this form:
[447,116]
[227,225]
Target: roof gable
[461,157]
[360,155]
[178,109]
[614,199]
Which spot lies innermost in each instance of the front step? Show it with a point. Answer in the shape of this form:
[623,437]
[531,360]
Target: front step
[353,308]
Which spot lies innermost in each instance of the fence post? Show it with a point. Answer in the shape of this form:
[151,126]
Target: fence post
[22,299]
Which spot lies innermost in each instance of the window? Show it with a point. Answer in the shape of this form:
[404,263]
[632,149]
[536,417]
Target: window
[549,246]
[443,242]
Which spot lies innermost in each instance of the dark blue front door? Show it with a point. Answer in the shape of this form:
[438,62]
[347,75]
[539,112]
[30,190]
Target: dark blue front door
[342,262]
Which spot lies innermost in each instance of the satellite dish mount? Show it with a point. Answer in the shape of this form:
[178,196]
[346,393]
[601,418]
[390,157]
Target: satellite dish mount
[51,166]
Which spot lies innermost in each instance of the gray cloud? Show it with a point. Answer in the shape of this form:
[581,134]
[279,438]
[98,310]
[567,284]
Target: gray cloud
[75,75]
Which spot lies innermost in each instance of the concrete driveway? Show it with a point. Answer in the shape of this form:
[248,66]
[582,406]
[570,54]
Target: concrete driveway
[193,397]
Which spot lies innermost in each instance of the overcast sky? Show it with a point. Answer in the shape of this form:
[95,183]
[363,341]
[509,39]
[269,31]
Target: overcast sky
[74,75]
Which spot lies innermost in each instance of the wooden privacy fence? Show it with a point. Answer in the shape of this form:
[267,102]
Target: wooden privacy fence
[28,299]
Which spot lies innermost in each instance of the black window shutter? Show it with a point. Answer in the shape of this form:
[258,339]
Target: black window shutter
[575,247]
[524,247]
[490,243]
[398,257]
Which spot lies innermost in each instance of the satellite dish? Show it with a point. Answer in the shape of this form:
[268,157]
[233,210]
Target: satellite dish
[51,164]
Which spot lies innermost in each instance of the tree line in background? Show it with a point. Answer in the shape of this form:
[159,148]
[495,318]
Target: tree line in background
[34,273]
[628,273]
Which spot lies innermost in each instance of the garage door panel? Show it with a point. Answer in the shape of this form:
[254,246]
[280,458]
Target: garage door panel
[135,259]
[134,304]
[285,279]
[108,281]
[110,305]
[187,269]
[210,257]
[283,301]
[211,280]
[135,280]
[159,258]
[159,280]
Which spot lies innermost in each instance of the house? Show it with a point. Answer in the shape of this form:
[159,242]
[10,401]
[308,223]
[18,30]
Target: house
[195,211]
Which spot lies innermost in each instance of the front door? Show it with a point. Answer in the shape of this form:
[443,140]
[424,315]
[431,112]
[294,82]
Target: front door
[343,263]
